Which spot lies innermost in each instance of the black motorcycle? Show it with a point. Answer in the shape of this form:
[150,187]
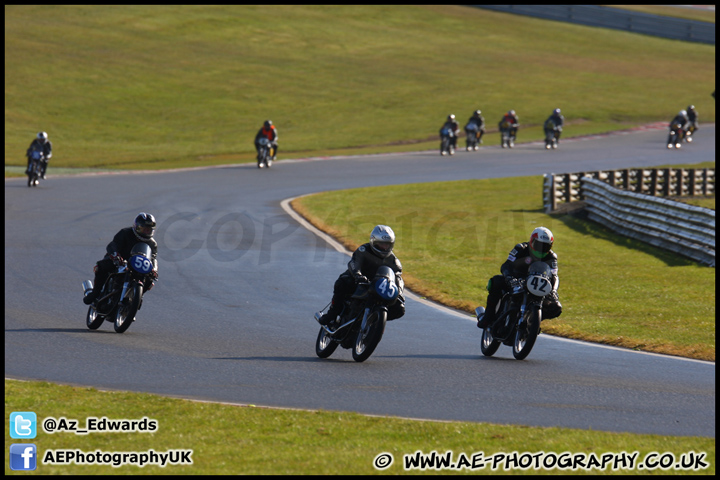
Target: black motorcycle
[264,158]
[361,324]
[507,135]
[472,140]
[551,137]
[446,141]
[121,295]
[519,314]
[689,134]
[675,138]
[34,172]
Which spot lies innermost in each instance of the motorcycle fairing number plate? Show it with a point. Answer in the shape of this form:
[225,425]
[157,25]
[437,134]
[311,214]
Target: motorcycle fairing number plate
[538,285]
[386,289]
[141,264]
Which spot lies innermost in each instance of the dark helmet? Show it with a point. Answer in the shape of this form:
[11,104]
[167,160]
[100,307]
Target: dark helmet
[267,124]
[477,113]
[556,111]
[451,118]
[382,240]
[144,226]
[541,241]
[691,108]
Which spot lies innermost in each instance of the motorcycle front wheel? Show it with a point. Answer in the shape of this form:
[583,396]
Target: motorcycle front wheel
[367,340]
[488,344]
[525,337]
[93,320]
[324,345]
[127,308]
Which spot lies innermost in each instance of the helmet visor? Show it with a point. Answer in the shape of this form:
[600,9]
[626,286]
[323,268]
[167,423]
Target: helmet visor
[541,248]
[383,246]
[145,230]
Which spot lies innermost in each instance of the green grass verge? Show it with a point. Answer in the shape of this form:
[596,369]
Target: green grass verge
[614,290]
[143,87]
[232,440]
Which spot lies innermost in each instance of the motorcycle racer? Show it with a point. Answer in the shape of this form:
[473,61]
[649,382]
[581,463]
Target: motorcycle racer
[41,144]
[142,230]
[363,265]
[515,269]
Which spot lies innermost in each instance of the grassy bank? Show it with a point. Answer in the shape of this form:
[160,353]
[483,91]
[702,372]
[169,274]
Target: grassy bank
[232,440]
[614,290]
[178,86]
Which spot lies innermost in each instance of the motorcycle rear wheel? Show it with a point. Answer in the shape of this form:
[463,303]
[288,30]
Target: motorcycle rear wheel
[93,320]
[127,308]
[367,341]
[324,345]
[525,338]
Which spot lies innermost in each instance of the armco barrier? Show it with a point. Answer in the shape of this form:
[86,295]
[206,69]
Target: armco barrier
[617,18]
[667,182]
[684,229]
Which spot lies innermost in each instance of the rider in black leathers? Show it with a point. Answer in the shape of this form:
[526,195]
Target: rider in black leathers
[362,267]
[692,115]
[682,119]
[515,269]
[554,122]
[41,144]
[119,248]
[478,120]
[454,127]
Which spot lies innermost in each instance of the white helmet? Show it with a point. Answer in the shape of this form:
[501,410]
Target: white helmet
[541,241]
[382,240]
[42,136]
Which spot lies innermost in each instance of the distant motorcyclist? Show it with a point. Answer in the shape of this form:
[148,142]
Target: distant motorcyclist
[693,125]
[119,248]
[509,122]
[554,123]
[515,270]
[680,119]
[40,144]
[268,131]
[477,120]
[454,127]
[362,267]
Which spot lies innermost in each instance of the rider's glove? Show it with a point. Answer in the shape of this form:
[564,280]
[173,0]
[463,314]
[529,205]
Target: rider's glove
[515,284]
[361,279]
[154,274]
[116,259]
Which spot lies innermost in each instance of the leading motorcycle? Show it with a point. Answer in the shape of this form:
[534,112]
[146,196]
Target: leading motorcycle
[472,140]
[446,141]
[551,137]
[689,134]
[519,313]
[361,324]
[121,295]
[676,135]
[264,158]
[506,136]
[34,172]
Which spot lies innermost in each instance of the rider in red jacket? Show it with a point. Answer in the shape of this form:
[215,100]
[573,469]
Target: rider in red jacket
[268,131]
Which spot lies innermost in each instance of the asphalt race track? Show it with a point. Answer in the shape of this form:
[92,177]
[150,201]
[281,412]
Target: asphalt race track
[231,318]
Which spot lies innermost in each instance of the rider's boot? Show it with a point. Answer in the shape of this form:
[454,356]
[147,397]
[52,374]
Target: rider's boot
[332,313]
